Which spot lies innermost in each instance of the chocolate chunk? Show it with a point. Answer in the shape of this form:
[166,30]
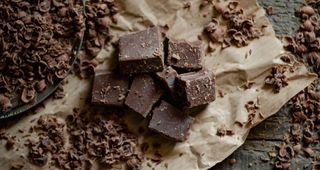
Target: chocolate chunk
[141,52]
[167,78]
[185,56]
[195,88]
[170,122]
[143,94]
[109,88]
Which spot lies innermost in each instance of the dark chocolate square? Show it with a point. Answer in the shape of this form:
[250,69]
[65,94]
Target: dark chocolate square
[141,52]
[195,88]
[185,56]
[170,122]
[143,94]
[167,78]
[109,88]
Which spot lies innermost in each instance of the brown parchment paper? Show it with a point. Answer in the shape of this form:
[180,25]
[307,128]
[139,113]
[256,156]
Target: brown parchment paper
[204,148]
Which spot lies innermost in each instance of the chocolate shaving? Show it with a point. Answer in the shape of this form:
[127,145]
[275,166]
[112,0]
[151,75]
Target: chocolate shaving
[222,131]
[105,141]
[239,31]
[277,80]
[17,166]
[5,103]
[99,15]
[10,143]
[253,108]
[269,10]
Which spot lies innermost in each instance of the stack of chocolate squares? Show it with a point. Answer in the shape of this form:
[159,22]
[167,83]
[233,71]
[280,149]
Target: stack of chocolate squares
[155,90]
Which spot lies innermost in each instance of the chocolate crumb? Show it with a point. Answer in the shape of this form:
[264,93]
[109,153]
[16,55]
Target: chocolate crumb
[264,159]
[166,165]
[269,10]
[10,143]
[17,166]
[277,80]
[187,5]
[232,161]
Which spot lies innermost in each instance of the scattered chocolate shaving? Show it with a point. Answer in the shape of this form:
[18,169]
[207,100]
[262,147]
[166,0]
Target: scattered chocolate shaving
[222,131]
[10,143]
[264,159]
[187,5]
[99,15]
[248,84]
[103,141]
[205,3]
[239,30]
[253,108]
[17,166]
[286,59]
[309,152]
[277,80]
[59,93]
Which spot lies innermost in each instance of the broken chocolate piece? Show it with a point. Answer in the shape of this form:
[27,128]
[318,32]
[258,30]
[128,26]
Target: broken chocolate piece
[195,88]
[141,52]
[143,94]
[109,88]
[185,56]
[170,122]
[167,78]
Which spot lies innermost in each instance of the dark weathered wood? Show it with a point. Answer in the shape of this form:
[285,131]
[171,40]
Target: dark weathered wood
[250,156]
[269,133]
[273,128]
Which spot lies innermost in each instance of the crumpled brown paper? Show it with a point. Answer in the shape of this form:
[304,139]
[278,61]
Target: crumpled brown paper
[233,68]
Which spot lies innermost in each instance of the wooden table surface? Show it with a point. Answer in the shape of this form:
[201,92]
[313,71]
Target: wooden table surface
[265,136]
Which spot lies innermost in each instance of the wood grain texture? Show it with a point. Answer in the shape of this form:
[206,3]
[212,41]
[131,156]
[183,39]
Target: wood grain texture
[266,135]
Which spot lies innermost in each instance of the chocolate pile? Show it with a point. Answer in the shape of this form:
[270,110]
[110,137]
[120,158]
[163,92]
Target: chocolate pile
[277,80]
[238,30]
[36,40]
[105,142]
[99,15]
[145,85]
